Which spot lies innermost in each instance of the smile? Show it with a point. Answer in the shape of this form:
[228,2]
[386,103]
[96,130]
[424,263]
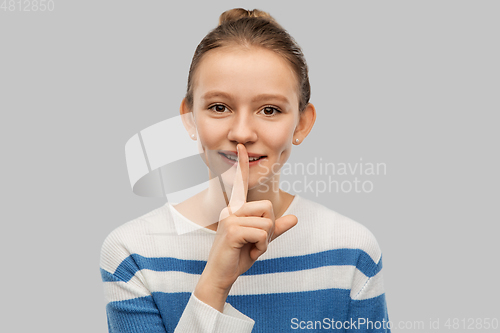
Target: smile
[231,158]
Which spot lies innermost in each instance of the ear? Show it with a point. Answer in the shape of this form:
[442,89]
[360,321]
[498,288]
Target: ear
[305,125]
[187,117]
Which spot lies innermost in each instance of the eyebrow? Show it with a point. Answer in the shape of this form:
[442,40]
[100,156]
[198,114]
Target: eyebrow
[257,98]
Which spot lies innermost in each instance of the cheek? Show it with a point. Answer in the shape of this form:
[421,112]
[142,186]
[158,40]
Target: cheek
[279,138]
[209,132]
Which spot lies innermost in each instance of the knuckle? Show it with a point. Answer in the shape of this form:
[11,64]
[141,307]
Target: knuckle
[269,223]
[264,247]
[269,207]
[231,229]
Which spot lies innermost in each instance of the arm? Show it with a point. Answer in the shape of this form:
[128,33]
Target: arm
[368,307]
[131,308]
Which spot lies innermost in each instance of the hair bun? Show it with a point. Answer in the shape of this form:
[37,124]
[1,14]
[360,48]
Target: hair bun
[238,13]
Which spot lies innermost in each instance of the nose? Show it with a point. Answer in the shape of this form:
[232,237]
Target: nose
[242,128]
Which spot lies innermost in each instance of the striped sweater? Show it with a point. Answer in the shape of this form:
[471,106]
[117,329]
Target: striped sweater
[323,274]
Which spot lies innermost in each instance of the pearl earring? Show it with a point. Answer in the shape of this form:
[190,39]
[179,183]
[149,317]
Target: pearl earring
[192,135]
[296,140]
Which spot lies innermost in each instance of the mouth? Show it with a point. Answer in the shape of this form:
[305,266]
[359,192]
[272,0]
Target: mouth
[233,158]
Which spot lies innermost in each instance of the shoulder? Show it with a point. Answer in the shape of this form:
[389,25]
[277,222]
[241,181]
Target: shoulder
[334,230]
[132,236]
[138,226]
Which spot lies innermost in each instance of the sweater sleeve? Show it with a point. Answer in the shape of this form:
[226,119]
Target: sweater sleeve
[131,307]
[201,317]
[368,309]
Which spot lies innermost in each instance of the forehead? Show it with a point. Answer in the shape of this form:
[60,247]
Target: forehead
[245,72]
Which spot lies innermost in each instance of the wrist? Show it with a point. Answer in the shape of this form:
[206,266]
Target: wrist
[210,294]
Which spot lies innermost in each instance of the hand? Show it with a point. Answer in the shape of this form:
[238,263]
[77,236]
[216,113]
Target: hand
[243,234]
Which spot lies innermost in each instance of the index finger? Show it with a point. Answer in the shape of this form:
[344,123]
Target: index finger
[240,183]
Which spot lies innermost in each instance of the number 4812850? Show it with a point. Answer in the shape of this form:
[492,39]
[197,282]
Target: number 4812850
[27,5]
[471,323]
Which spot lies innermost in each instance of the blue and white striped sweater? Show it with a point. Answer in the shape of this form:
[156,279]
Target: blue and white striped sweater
[325,271]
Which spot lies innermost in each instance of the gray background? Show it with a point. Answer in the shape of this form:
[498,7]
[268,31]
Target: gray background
[412,84]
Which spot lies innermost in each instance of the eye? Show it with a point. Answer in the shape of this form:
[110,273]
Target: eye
[218,108]
[270,111]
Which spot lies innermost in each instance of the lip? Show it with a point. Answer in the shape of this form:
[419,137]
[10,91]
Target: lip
[234,153]
[231,162]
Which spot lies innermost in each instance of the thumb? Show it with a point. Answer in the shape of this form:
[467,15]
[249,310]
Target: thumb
[283,224]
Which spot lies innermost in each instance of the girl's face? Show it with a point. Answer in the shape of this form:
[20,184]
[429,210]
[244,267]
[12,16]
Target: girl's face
[246,96]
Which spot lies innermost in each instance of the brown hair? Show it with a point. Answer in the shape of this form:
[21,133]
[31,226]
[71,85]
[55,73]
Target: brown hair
[253,28]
